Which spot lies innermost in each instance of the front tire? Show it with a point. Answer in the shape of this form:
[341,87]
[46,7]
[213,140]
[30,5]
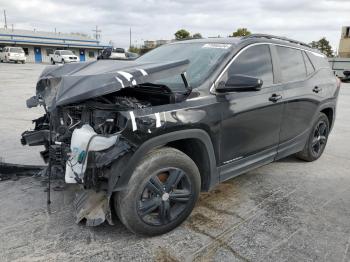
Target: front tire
[317,140]
[161,194]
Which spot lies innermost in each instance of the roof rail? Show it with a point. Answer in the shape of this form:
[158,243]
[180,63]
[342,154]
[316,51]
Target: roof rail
[276,37]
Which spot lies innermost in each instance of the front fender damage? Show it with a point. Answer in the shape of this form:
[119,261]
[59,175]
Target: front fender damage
[90,133]
[90,164]
[92,206]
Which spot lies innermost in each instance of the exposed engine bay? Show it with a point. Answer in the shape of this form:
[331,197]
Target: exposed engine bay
[100,118]
[83,127]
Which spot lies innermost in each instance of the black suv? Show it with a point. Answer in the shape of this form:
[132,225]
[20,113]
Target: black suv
[146,136]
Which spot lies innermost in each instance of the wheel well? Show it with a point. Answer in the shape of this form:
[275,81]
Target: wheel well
[329,113]
[197,151]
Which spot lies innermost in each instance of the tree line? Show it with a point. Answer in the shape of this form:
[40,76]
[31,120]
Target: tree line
[182,34]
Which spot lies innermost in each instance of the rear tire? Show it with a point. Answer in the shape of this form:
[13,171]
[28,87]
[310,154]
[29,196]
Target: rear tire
[161,194]
[63,62]
[52,61]
[317,140]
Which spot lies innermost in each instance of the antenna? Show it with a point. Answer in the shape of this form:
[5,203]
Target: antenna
[5,19]
[97,33]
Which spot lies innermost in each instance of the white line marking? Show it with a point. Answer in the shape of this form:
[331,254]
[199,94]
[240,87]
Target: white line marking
[164,117]
[143,72]
[120,81]
[158,124]
[128,76]
[133,121]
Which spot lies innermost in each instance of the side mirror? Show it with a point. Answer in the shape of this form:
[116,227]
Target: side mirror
[240,83]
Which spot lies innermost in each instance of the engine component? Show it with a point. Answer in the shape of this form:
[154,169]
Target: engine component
[84,139]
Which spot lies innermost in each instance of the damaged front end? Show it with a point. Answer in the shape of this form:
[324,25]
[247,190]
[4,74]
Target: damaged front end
[89,115]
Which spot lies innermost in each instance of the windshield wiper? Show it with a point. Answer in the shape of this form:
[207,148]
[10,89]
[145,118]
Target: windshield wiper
[187,85]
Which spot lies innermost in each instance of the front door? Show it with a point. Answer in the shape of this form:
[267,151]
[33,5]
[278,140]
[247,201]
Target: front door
[37,54]
[82,55]
[251,121]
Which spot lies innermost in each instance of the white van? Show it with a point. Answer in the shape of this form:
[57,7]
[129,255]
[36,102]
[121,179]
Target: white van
[15,54]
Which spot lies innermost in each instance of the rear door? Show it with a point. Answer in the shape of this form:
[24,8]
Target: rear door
[251,120]
[300,98]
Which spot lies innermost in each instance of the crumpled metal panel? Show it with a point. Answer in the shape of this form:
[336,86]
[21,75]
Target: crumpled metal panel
[61,85]
[92,206]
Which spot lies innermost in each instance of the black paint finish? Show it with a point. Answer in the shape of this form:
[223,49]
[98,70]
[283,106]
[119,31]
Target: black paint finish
[231,133]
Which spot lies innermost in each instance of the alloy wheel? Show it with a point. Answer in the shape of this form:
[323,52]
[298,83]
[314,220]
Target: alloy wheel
[319,138]
[165,196]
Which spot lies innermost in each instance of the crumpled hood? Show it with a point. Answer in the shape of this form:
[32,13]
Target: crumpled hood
[71,83]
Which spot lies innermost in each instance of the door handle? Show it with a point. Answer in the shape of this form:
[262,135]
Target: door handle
[275,97]
[317,89]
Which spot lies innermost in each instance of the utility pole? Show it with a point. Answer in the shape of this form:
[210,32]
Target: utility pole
[97,33]
[130,39]
[5,19]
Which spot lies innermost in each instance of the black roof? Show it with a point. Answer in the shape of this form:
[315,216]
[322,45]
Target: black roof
[253,38]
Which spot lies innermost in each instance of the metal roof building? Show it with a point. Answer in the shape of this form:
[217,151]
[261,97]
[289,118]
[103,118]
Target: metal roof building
[39,45]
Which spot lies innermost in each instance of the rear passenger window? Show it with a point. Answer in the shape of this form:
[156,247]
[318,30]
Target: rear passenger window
[292,64]
[309,67]
[254,62]
[319,61]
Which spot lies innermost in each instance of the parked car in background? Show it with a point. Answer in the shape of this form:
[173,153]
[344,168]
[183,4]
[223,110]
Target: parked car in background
[131,55]
[13,54]
[63,56]
[341,67]
[116,54]
[147,135]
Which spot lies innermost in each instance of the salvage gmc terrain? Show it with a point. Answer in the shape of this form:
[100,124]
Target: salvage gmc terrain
[146,136]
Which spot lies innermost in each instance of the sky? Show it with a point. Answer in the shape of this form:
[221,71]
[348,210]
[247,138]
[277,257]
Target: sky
[303,20]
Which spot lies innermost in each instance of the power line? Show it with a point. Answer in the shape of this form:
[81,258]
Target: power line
[130,39]
[97,33]
[5,19]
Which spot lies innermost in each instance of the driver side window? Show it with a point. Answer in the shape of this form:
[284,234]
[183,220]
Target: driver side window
[255,62]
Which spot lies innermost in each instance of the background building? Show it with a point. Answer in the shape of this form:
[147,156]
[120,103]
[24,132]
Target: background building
[154,43]
[344,46]
[39,45]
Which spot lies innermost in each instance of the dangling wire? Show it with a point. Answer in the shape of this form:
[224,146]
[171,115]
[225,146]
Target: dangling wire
[49,166]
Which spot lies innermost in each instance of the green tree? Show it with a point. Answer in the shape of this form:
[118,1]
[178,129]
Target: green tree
[134,49]
[197,35]
[241,32]
[324,46]
[182,34]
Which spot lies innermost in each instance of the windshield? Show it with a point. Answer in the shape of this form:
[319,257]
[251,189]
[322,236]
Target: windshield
[16,50]
[203,57]
[67,52]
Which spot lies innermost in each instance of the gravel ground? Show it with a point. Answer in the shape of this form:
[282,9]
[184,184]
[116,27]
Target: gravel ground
[286,211]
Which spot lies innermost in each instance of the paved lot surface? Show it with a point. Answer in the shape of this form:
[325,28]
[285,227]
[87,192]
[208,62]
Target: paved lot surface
[285,211]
